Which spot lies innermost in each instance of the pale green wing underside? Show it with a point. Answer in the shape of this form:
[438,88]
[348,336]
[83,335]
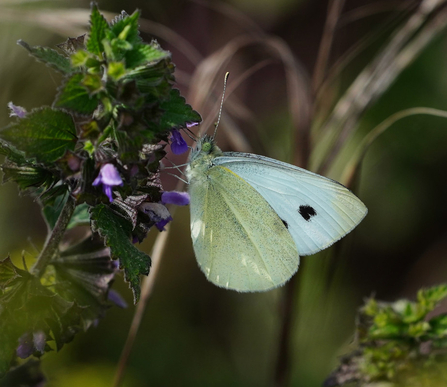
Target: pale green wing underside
[239,241]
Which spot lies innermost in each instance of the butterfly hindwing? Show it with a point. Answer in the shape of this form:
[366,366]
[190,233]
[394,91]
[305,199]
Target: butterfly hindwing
[317,211]
[239,241]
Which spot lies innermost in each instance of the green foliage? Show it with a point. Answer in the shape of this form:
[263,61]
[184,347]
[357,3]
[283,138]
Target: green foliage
[91,158]
[44,134]
[49,56]
[117,233]
[399,343]
[74,96]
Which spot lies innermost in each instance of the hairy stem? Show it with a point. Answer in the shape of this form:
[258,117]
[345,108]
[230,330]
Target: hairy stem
[54,238]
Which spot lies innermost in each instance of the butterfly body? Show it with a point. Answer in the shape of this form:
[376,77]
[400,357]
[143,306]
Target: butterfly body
[252,216]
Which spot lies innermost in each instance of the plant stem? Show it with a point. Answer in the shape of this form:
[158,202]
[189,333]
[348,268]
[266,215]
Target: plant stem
[54,238]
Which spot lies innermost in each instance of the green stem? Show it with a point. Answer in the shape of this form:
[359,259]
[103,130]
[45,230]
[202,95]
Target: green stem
[54,238]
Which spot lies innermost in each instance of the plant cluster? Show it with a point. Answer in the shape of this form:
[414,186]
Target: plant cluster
[92,159]
[398,344]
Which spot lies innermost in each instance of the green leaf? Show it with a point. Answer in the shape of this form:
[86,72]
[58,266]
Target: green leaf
[98,31]
[125,27]
[44,134]
[27,176]
[177,113]
[49,56]
[144,54]
[116,70]
[93,83]
[80,217]
[116,232]
[74,96]
[12,153]
[8,273]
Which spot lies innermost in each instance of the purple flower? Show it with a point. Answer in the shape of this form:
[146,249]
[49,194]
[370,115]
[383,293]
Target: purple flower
[39,340]
[162,223]
[175,197]
[117,299]
[16,111]
[178,144]
[26,346]
[190,125]
[109,177]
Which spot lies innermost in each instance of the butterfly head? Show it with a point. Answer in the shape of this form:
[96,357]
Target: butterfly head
[203,155]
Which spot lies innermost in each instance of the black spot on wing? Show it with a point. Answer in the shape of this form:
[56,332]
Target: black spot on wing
[307,212]
[285,223]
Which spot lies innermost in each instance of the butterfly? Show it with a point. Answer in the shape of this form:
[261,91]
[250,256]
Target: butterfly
[253,216]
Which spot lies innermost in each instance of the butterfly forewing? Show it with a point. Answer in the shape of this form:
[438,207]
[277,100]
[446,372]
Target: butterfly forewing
[239,241]
[318,211]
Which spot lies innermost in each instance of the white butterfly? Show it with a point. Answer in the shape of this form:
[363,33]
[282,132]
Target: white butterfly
[253,216]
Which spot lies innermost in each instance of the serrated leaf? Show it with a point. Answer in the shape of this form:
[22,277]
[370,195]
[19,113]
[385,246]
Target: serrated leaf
[126,28]
[98,31]
[116,232]
[27,176]
[74,96]
[80,217]
[12,153]
[143,54]
[44,134]
[116,70]
[8,273]
[49,56]
[177,113]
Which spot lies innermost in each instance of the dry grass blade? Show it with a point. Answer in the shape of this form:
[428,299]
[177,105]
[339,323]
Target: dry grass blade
[323,98]
[377,77]
[334,12]
[377,7]
[233,14]
[352,166]
[173,38]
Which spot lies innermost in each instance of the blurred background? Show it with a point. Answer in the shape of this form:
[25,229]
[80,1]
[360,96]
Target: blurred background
[193,333]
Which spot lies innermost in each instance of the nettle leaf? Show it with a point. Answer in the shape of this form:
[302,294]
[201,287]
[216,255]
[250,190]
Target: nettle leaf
[177,113]
[98,31]
[12,153]
[8,273]
[27,307]
[44,134]
[27,176]
[116,232]
[74,96]
[126,28]
[143,53]
[49,56]
[155,79]
[80,217]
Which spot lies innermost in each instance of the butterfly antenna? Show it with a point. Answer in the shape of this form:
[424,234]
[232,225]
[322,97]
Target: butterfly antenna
[174,166]
[221,103]
[178,177]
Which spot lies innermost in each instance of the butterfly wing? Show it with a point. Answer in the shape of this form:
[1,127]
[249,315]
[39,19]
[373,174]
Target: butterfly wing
[239,241]
[318,211]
